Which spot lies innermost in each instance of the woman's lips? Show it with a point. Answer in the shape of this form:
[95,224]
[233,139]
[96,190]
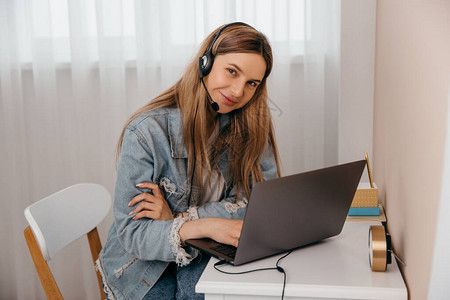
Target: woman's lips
[227,101]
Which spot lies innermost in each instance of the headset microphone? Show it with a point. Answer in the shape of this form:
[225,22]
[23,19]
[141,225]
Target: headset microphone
[214,104]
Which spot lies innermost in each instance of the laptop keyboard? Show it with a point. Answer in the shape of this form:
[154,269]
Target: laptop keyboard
[227,250]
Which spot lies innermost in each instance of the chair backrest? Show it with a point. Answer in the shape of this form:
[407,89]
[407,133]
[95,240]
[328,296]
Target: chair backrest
[64,216]
[60,219]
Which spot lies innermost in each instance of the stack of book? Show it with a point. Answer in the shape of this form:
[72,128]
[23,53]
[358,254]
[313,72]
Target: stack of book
[365,201]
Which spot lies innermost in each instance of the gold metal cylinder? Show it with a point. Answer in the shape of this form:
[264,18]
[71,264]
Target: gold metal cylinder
[379,248]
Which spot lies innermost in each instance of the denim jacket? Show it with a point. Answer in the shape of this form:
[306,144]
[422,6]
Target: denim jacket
[138,251]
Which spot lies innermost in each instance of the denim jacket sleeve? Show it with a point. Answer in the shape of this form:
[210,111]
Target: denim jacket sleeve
[146,239]
[234,206]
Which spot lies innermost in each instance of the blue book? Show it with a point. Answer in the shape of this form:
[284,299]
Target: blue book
[364,211]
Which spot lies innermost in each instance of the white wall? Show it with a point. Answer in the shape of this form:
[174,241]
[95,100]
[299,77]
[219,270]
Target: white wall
[440,272]
[357,79]
[411,102]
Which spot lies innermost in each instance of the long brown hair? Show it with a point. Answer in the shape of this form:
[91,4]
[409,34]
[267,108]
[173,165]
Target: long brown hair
[250,130]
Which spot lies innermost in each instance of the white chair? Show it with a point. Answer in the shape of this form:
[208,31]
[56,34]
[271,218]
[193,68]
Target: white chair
[60,219]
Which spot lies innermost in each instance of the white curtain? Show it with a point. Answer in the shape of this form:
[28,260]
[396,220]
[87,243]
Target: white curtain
[72,71]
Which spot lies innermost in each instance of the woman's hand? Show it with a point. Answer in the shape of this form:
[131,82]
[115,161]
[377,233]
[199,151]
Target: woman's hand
[225,231]
[151,206]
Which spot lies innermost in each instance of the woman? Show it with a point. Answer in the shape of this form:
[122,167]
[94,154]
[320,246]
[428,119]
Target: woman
[187,161]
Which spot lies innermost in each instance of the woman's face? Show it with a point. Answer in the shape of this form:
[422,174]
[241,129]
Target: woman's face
[234,78]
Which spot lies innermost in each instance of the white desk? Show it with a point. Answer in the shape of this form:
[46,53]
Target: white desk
[336,268]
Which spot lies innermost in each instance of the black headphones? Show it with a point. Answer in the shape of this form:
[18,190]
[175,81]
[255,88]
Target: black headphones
[206,61]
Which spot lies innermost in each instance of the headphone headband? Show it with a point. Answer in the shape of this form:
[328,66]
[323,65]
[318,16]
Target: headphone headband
[205,62]
[216,36]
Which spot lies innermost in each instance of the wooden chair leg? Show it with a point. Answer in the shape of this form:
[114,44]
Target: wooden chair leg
[96,247]
[45,275]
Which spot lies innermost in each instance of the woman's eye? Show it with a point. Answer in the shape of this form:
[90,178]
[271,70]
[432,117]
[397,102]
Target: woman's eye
[232,72]
[252,83]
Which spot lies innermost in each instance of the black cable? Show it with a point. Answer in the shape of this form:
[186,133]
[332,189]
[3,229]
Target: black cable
[277,267]
[216,108]
[193,167]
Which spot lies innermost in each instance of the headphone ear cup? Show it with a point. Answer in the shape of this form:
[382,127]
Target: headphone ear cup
[205,63]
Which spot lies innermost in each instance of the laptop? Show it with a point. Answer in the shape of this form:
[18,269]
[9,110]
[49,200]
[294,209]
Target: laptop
[290,212]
